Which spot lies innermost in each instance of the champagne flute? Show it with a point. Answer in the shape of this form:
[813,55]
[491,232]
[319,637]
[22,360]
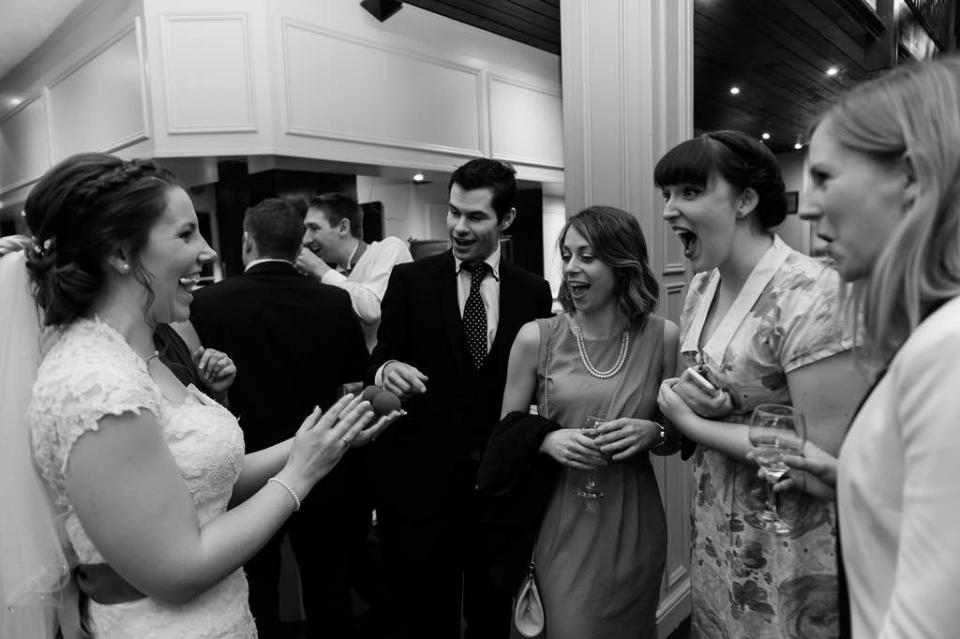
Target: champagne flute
[591,488]
[775,430]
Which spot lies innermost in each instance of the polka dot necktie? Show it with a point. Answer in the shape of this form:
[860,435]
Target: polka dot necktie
[475,315]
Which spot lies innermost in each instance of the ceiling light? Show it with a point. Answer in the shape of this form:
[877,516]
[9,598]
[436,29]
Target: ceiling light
[765,136]
[832,71]
[798,146]
[15,101]
[418,177]
[734,90]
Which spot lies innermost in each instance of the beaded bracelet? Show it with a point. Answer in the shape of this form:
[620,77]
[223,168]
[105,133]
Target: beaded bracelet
[296,500]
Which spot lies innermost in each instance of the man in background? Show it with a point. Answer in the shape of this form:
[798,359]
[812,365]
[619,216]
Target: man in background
[334,234]
[449,321]
[295,342]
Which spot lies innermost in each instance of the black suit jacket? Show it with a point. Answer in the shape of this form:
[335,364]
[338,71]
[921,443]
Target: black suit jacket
[417,458]
[294,340]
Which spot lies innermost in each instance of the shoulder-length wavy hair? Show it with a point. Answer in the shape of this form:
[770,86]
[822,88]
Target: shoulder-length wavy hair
[912,112]
[618,242]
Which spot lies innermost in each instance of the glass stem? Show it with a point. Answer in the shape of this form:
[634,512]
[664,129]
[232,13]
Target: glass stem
[771,499]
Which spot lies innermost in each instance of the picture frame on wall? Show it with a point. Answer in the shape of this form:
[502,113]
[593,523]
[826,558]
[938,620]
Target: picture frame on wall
[793,202]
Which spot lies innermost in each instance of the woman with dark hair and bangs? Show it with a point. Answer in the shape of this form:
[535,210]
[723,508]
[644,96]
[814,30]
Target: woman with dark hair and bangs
[761,323]
[599,556]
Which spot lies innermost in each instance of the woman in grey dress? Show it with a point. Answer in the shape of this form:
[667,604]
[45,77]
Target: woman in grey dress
[599,562]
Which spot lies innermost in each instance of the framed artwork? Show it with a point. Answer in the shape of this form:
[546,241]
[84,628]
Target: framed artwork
[923,27]
[793,201]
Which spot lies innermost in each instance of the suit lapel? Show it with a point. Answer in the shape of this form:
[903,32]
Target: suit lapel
[450,310]
[508,312]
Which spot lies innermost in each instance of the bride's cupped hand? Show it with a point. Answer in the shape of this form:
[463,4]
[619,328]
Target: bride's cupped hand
[572,448]
[323,438]
[367,435]
[626,436]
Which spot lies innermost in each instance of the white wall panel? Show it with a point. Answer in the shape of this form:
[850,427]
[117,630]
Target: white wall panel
[208,73]
[394,97]
[554,217]
[24,145]
[99,103]
[794,230]
[526,122]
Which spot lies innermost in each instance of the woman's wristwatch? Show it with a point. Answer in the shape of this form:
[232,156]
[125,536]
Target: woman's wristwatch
[666,445]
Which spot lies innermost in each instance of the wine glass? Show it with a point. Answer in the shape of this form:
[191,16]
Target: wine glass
[591,488]
[775,430]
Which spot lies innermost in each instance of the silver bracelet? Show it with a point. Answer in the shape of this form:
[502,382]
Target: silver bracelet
[296,500]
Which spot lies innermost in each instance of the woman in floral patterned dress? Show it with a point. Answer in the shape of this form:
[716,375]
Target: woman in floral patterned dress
[763,319]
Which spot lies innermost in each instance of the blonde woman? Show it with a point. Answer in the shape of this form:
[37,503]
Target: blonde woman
[885,167]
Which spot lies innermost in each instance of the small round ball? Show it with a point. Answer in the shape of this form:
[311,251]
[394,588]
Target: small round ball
[385,402]
[369,393]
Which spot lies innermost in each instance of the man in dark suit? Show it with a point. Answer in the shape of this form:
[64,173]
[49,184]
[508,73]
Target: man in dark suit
[448,322]
[294,341]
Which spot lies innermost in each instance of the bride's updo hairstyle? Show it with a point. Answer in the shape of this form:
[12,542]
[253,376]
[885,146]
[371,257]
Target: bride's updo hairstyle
[741,160]
[80,211]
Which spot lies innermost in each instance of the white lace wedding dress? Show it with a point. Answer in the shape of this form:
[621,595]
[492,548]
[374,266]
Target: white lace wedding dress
[91,372]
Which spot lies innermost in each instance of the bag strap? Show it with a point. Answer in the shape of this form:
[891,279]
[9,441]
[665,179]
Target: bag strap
[548,359]
[545,324]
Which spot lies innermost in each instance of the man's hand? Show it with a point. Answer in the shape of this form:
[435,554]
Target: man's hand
[311,264]
[216,369]
[403,380]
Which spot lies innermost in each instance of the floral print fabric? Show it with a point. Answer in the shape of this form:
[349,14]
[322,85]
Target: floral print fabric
[747,581]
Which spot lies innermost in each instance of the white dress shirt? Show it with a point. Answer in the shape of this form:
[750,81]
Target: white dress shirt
[368,281]
[489,292]
[264,261]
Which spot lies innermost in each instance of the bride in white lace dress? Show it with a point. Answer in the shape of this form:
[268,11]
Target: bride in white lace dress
[161,505]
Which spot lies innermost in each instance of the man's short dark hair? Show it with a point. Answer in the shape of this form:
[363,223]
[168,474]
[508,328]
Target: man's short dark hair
[276,227]
[339,206]
[484,173]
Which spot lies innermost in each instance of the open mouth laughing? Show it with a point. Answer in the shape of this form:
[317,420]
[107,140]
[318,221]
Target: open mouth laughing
[577,289]
[189,282]
[462,245]
[689,240]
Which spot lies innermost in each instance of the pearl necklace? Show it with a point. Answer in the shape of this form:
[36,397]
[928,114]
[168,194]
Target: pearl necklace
[617,365]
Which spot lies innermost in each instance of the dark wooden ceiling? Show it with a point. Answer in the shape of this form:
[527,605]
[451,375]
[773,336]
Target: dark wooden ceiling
[775,51]
[533,22]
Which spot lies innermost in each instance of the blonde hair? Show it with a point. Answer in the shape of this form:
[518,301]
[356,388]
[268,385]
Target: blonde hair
[912,112]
